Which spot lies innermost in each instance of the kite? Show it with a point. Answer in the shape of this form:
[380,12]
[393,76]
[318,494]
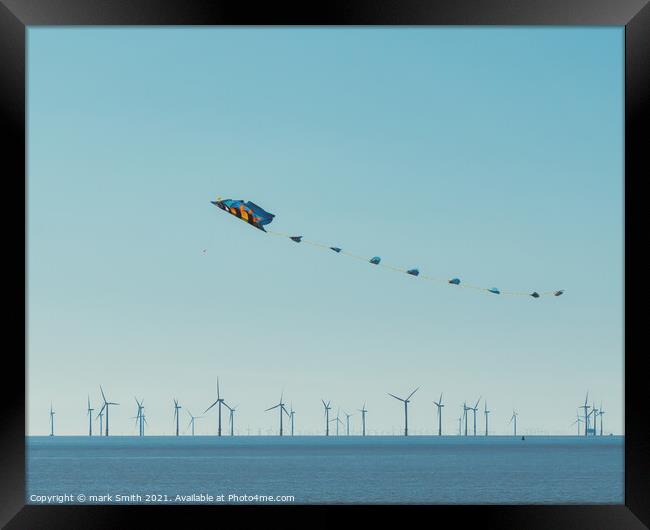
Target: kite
[259,218]
[246,211]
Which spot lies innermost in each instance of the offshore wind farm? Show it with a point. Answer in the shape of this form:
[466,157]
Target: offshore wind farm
[212,463]
[589,420]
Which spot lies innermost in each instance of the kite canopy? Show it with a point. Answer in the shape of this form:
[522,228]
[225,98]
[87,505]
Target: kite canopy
[413,272]
[336,249]
[534,294]
[297,239]
[375,260]
[494,290]
[455,281]
[246,211]
[558,293]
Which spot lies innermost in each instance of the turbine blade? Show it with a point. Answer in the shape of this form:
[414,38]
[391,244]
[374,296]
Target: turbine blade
[104,397]
[394,396]
[271,408]
[411,394]
[206,410]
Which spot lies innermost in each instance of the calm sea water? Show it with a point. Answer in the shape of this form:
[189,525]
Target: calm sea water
[377,469]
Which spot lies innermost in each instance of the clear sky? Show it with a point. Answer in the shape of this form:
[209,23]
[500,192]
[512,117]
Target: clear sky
[491,154]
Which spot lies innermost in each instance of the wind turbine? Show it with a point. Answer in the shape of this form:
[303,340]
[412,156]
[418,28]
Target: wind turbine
[89,413]
[406,410]
[363,419]
[106,406]
[578,420]
[601,418]
[347,423]
[143,420]
[465,409]
[514,417]
[474,409]
[176,415]
[52,413]
[486,412]
[338,421]
[292,413]
[586,407]
[596,414]
[139,417]
[282,408]
[439,406]
[192,420]
[460,432]
[221,402]
[100,416]
[327,416]
[231,418]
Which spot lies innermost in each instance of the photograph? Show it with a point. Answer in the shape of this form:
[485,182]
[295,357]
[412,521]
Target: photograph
[424,301]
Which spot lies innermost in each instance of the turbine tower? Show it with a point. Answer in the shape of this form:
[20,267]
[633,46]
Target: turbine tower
[514,417]
[474,409]
[221,402]
[327,416]
[52,413]
[486,412]
[282,408]
[586,407]
[176,415]
[439,406]
[363,419]
[406,410]
[89,413]
[106,406]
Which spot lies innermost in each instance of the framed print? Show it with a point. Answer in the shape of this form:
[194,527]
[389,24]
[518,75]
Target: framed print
[370,257]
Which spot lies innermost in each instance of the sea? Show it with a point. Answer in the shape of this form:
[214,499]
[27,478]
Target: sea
[325,470]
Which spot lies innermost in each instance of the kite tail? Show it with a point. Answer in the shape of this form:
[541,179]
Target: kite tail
[376,260]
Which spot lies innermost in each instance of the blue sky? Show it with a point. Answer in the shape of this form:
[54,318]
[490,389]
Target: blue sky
[491,154]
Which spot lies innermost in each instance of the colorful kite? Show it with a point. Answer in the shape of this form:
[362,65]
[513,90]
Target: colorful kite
[246,211]
[258,217]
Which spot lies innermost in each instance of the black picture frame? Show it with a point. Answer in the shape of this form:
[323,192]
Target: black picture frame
[17,15]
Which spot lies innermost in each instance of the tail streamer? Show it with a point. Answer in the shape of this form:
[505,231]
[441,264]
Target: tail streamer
[376,260]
